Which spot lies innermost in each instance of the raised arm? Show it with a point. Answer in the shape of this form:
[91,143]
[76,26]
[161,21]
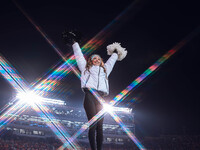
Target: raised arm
[110,63]
[81,62]
[117,53]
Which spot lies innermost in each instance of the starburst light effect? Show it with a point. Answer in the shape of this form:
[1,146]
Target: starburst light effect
[28,98]
[137,82]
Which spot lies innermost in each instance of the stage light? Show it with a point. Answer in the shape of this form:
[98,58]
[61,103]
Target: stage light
[108,108]
[122,109]
[29,97]
[52,101]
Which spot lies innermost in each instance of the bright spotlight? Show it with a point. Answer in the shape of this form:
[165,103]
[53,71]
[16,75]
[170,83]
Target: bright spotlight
[122,109]
[108,108]
[29,97]
[53,101]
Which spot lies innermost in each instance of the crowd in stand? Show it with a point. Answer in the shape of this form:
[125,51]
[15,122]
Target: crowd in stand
[25,144]
[9,141]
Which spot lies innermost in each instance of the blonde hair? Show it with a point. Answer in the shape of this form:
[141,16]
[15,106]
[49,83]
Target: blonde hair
[90,64]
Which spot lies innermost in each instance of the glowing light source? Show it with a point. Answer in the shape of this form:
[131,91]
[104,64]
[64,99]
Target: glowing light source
[119,98]
[29,97]
[135,84]
[122,109]
[108,108]
[26,99]
[53,101]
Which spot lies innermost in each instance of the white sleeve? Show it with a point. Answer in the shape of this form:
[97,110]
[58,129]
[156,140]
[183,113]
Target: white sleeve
[110,63]
[81,62]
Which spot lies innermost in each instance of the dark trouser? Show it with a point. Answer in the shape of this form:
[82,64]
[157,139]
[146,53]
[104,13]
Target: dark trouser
[92,107]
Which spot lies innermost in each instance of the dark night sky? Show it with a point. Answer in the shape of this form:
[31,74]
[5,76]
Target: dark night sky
[168,100]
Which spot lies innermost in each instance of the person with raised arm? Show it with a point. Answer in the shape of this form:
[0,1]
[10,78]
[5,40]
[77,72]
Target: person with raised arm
[94,75]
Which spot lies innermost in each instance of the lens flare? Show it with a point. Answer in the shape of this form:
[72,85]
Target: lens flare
[127,131]
[30,98]
[92,44]
[52,81]
[11,75]
[137,82]
[57,50]
[108,108]
[9,115]
[55,125]
[84,127]
[154,67]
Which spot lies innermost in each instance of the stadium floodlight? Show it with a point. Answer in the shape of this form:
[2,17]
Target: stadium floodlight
[29,97]
[52,101]
[108,108]
[123,109]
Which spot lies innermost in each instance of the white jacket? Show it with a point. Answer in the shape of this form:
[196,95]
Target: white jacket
[96,78]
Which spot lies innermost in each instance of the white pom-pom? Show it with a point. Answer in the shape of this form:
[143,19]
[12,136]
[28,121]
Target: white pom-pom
[121,51]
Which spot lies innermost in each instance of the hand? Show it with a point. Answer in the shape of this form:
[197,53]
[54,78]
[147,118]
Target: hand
[70,37]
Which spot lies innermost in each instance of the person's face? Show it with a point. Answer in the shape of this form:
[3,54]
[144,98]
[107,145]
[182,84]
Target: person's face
[96,61]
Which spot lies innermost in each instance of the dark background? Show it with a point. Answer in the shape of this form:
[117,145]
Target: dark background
[166,103]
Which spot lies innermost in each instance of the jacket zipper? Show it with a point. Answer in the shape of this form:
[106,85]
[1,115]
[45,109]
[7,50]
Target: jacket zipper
[87,80]
[98,79]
